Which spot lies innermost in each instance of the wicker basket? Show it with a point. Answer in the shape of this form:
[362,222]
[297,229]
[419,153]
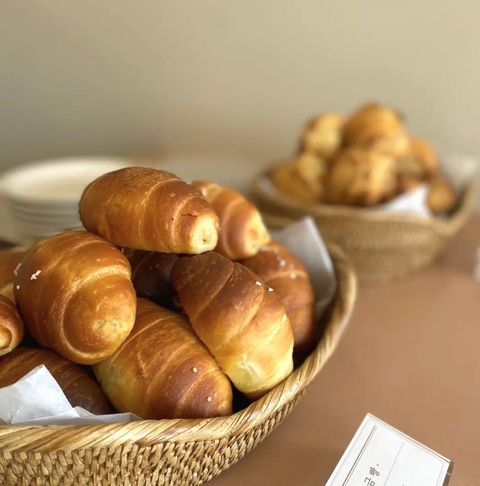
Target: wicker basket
[381,246]
[167,452]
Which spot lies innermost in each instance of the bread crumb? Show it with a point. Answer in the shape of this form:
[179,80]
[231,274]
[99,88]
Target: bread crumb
[270,289]
[293,276]
[17,268]
[258,283]
[35,275]
[194,369]
[209,398]
[282,263]
[18,287]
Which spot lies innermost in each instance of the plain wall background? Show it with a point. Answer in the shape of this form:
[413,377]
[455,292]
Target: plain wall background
[217,76]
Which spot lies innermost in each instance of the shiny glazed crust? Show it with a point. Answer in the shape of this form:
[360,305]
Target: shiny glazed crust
[148,209]
[242,231]
[240,319]
[163,371]
[75,295]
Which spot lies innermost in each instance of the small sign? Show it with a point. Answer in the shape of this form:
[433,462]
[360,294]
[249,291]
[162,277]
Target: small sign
[380,455]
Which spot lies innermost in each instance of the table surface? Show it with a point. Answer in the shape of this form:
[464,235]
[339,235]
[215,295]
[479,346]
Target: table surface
[411,356]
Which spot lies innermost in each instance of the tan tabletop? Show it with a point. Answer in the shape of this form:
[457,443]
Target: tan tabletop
[411,356]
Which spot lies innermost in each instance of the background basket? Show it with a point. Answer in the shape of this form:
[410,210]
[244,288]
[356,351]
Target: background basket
[381,246]
[168,452]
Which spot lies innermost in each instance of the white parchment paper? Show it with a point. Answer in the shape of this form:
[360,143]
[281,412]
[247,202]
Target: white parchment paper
[37,399]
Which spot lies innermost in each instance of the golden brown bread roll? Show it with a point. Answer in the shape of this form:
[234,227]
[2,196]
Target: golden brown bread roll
[377,127]
[361,177]
[75,295]
[149,209]
[322,135]
[11,326]
[151,275]
[441,196]
[302,179]
[79,388]
[242,232]
[279,268]
[163,371]
[241,320]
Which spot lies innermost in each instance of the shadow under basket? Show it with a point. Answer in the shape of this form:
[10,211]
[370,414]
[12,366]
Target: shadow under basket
[168,452]
[381,246]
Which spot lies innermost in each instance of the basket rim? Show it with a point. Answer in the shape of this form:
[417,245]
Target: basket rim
[445,226]
[55,438]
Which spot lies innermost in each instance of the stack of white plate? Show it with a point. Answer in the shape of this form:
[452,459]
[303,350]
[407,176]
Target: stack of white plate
[41,199]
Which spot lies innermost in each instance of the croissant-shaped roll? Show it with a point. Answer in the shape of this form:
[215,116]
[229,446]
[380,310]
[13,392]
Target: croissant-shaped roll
[149,209]
[151,275]
[279,268]
[11,326]
[79,388]
[322,135]
[240,319]
[242,232]
[377,127]
[76,297]
[163,371]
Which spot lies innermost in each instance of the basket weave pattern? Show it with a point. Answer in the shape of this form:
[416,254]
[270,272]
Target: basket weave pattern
[381,246]
[167,452]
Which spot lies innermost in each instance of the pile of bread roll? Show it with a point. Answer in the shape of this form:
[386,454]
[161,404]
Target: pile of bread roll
[173,297]
[365,160]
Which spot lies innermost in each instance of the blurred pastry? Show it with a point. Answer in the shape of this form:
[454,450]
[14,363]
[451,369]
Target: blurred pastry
[361,177]
[301,179]
[322,135]
[441,196]
[426,156]
[377,127]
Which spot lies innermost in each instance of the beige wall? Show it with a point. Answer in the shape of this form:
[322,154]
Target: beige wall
[222,76]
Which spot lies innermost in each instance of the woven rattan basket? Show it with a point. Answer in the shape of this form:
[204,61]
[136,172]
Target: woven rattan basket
[381,246]
[167,452]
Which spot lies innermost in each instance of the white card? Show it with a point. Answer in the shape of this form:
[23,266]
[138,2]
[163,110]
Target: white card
[380,455]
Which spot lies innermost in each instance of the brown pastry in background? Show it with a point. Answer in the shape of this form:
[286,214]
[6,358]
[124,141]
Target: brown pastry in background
[322,136]
[242,231]
[280,269]
[11,326]
[424,153]
[441,196]
[79,388]
[151,275]
[163,370]
[377,127]
[361,177]
[301,179]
